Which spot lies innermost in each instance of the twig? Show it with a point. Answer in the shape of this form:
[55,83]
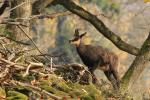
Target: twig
[22,67]
[30,65]
[53,15]
[50,55]
[4,73]
[51,63]
[27,70]
[13,23]
[37,89]
[11,63]
[3,47]
[74,65]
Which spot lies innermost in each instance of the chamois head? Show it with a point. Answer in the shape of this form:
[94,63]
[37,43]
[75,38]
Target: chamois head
[77,38]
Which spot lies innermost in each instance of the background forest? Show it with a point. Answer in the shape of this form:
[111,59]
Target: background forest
[128,18]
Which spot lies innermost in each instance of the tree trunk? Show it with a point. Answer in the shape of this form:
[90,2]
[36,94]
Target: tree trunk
[139,64]
[21,14]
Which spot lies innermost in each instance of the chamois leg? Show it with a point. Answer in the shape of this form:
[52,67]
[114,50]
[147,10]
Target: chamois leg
[116,76]
[113,69]
[94,79]
[112,79]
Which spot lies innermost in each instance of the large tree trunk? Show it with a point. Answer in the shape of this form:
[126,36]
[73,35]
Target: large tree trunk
[21,13]
[139,64]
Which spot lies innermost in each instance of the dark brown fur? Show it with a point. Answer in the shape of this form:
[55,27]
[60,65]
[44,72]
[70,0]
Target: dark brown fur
[97,57]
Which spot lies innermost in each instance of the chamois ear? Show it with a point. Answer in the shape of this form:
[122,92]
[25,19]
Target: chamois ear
[76,34]
[83,34]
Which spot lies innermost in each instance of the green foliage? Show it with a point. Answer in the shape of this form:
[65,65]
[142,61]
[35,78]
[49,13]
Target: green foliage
[86,97]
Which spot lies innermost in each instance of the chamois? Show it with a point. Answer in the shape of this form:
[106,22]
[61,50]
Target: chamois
[97,57]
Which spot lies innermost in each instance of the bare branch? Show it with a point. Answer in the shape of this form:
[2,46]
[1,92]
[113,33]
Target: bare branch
[13,23]
[53,15]
[30,65]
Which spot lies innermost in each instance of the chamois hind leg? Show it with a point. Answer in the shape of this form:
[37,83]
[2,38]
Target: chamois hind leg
[116,76]
[113,69]
[112,79]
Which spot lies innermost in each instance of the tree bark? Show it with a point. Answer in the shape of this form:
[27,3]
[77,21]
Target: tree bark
[139,64]
[20,14]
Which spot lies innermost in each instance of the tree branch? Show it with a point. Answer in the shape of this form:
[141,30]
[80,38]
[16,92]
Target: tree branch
[39,5]
[99,25]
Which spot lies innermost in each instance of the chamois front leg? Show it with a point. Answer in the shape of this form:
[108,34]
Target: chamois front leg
[116,76]
[94,79]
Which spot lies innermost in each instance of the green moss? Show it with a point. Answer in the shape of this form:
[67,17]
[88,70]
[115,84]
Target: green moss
[62,87]
[61,93]
[48,88]
[92,89]
[54,78]
[76,93]
[19,77]
[86,97]
[24,90]
[13,95]
[44,82]
[74,85]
